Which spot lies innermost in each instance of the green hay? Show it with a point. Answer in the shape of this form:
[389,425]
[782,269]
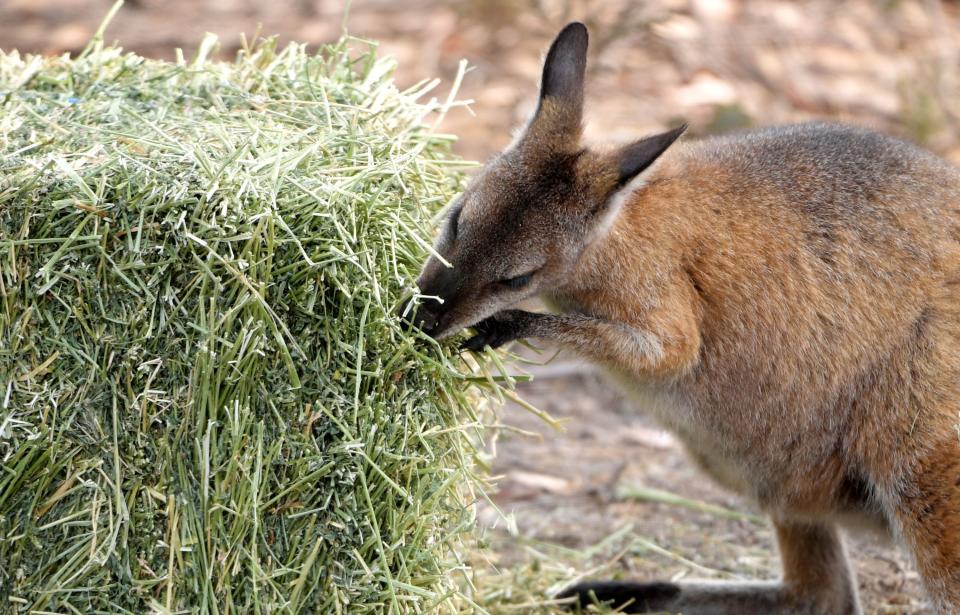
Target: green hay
[207,404]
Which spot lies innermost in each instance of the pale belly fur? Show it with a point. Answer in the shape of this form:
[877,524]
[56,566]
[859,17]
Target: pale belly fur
[677,415]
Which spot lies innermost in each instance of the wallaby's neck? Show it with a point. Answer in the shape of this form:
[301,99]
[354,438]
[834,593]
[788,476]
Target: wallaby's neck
[628,245]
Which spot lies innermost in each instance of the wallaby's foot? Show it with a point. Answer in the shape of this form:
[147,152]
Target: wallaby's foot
[709,598]
[627,596]
[928,515]
[816,581]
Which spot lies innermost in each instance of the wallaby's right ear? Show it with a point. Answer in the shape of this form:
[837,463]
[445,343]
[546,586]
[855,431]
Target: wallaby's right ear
[635,157]
[560,109]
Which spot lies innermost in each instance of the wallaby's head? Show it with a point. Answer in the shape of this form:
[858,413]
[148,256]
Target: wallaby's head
[522,223]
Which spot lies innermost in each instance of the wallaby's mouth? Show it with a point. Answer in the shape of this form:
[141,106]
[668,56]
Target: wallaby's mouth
[441,329]
[428,320]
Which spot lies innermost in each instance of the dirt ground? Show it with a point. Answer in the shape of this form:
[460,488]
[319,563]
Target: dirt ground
[720,65]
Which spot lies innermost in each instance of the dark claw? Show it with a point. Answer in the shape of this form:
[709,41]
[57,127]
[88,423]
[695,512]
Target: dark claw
[474,344]
[490,332]
[499,329]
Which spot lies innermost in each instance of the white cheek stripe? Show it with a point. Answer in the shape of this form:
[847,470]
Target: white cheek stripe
[614,208]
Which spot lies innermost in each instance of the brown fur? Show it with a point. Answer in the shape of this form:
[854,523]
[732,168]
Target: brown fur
[786,301]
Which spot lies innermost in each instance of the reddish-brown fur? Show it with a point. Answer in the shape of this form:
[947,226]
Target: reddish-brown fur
[787,302]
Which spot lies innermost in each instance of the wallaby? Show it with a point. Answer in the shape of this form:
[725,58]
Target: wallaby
[786,301]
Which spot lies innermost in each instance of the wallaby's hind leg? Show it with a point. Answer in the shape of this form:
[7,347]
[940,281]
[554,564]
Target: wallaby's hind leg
[816,581]
[928,515]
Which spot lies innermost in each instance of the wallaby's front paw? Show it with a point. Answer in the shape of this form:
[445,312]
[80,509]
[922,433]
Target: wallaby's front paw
[499,329]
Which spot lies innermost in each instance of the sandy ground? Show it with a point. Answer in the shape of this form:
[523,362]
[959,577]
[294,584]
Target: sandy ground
[720,65]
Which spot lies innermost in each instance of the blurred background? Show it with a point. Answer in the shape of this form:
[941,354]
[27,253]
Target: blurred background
[721,65]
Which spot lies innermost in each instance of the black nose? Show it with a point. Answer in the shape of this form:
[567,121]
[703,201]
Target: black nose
[419,316]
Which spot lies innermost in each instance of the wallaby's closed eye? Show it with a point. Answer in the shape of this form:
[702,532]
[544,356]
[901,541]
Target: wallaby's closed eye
[786,301]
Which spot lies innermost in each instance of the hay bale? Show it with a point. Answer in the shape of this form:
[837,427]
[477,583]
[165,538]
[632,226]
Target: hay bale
[206,401]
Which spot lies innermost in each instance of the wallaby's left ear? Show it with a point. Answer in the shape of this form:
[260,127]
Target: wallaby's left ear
[560,110]
[632,159]
[565,66]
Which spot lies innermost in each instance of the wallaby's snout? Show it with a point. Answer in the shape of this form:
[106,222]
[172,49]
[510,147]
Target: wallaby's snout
[419,317]
[438,285]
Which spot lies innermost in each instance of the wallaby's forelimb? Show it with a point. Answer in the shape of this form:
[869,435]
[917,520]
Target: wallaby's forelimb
[816,581]
[656,352]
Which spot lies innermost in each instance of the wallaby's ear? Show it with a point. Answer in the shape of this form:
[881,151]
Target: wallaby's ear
[632,159]
[560,108]
[565,66]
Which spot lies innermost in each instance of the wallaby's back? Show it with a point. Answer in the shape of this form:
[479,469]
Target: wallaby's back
[822,256]
[824,271]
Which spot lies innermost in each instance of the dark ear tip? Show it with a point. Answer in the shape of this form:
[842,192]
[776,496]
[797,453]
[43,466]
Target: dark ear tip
[667,138]
[637,156]
[575,30]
